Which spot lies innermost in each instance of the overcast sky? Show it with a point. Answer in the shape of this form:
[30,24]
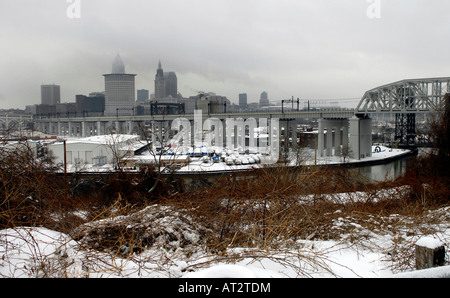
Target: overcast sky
[311,49]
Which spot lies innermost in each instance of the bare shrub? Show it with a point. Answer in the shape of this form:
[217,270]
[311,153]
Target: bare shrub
[265,207]
[429,175]
[154,225]
[30,191]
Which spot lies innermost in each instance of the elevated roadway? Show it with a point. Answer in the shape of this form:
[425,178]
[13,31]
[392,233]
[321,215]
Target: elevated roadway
[268,115]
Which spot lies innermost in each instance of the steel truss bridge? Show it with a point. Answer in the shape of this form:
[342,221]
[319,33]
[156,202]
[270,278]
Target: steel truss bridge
[406,99]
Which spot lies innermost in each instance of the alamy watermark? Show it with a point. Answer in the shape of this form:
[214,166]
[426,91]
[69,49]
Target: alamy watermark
[374,9]
[74,9]
[263,135]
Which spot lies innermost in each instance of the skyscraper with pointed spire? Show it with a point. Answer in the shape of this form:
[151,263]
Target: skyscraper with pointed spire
[119,90]
[166,84]
[160,86]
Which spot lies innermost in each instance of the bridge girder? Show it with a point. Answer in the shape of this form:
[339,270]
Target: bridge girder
[406,96]
[405,99]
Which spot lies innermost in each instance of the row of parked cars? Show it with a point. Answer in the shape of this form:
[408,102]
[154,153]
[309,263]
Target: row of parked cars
[233,158]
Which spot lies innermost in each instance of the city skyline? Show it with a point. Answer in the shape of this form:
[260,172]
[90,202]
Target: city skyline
[309,49]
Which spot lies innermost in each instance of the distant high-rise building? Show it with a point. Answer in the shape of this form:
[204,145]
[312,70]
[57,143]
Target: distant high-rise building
[243,100]
[166,84]
[171,84]
[143,95]
[210,103]
[160,86]
[50,94]
[264,99]
[92,105]
[119,90]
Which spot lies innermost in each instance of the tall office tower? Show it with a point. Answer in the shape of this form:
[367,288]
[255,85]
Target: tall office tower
[166,83]
[119,90]
[143,95]
[160,86]
[171,84]
[243,100]
[264,99]
[50,94]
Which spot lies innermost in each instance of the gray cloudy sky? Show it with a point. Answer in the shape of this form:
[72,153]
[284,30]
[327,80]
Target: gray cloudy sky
[314,49]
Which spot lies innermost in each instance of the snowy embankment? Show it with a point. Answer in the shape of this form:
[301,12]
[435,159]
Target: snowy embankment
[307,157]
[438,272]
[172,245]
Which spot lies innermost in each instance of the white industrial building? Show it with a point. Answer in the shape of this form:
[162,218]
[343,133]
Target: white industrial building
[96,150]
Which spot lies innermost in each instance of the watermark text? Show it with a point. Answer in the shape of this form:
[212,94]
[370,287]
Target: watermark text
[238,134]
[374,9]
[74,9]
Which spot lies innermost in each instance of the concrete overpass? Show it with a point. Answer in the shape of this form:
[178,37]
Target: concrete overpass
[86,126]
[17,122]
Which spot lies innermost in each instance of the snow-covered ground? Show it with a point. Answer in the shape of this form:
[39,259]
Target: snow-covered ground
[177,251]
[306,157]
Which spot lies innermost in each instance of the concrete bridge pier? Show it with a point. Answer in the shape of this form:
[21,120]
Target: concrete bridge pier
[289,134]
[99,128]
[160,132]
[335,139]
[360,144]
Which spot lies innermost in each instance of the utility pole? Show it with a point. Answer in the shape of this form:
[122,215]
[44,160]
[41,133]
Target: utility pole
[65,169]
[66,187]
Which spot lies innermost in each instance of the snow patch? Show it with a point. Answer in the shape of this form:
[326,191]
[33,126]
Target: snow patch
[429,242]
[174,247]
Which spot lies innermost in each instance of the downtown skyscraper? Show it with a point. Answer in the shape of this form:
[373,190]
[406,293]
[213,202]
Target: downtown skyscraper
[119,90]
[166,84]
[50,94]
